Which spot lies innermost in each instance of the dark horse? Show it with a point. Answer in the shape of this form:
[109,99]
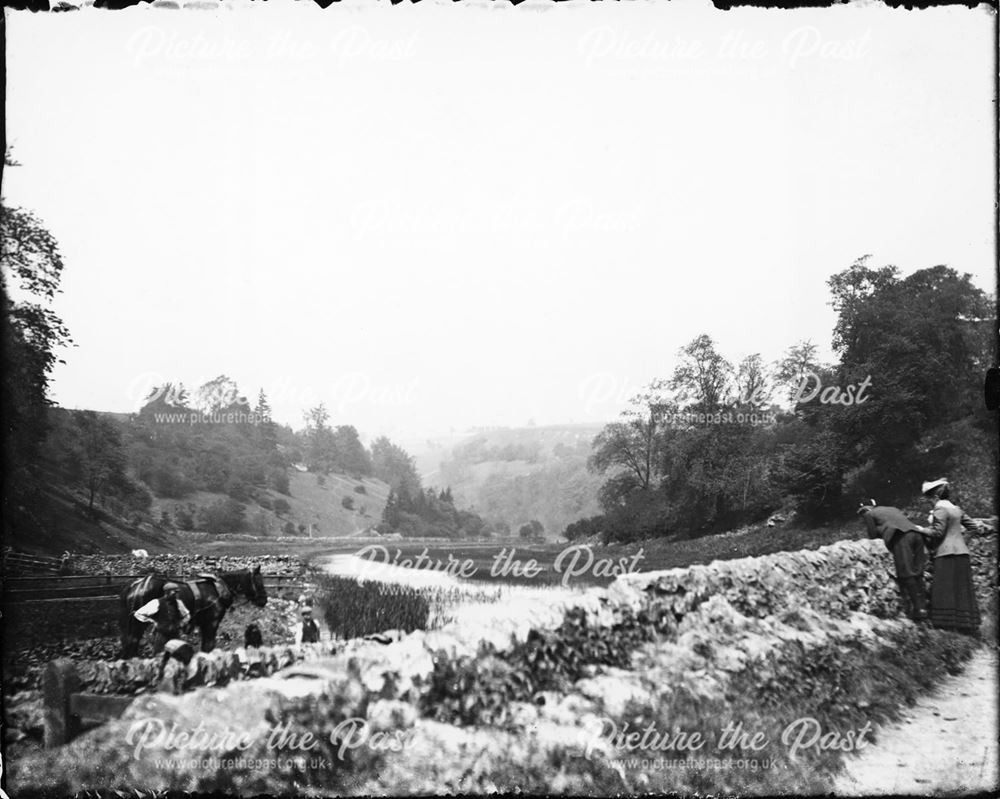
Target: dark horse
[207,598]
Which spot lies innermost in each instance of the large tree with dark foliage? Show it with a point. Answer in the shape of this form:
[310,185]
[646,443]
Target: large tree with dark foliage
[925,342]
[32,335]
[918,345]
[333,450]
[414,511]
[393,465]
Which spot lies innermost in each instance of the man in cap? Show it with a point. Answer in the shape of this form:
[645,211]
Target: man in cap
[307,632]
[168,613]
[905,540]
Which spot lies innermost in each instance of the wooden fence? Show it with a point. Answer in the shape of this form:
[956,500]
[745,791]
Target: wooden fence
[22,563]
[40,610]
[21,589]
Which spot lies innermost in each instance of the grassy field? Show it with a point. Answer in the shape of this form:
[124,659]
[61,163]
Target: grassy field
[517,563]
[548,564]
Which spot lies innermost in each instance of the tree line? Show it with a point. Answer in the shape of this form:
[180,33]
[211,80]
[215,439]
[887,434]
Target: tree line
[430,513]
[179,442]
[711,447]
[715,445]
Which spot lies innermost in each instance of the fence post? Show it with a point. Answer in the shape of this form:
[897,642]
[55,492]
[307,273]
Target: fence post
[59,680]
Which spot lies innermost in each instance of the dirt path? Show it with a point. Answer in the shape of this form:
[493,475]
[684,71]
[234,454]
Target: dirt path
[945,743]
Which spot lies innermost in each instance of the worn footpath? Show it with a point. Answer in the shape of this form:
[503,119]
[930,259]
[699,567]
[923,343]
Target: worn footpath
[945,744]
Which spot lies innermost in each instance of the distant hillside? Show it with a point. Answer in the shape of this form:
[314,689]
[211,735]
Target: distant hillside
[61,522]
[518,474]
[429,452]
[109,482]
[112,482]
[317,506]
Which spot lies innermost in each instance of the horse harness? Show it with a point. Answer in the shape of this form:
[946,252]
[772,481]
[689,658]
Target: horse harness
[223,595]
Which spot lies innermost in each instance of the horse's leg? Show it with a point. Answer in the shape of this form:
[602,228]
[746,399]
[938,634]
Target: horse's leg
[125,631]
[132,636]
[207,628]
[128,643]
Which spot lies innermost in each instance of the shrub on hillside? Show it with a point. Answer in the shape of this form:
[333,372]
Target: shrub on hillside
[238,490]
[278,480]
[135,496]
[260,523]
[184,517]
[281,506]
[348,502]
[166,482]
[222,516]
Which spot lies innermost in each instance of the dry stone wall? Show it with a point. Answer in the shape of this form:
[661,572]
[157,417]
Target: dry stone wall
[723,616]
[836,580]
[183,565]
[139,675]
[983,559]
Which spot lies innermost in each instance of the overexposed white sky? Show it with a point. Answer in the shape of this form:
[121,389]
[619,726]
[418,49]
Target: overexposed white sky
[438,216]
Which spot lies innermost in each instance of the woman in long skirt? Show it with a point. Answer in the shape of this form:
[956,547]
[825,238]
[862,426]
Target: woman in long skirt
[953,595]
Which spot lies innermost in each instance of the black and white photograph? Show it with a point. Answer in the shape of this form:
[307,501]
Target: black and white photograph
[469,398]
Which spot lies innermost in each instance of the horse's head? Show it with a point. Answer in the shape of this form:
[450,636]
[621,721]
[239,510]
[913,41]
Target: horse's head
[256,592]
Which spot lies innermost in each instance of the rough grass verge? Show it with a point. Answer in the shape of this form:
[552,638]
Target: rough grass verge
[823,699]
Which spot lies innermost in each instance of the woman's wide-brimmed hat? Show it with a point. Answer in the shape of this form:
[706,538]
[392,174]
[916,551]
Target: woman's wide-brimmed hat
[930,485]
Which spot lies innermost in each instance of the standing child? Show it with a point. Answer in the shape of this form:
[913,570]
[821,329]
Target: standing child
[307,632]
